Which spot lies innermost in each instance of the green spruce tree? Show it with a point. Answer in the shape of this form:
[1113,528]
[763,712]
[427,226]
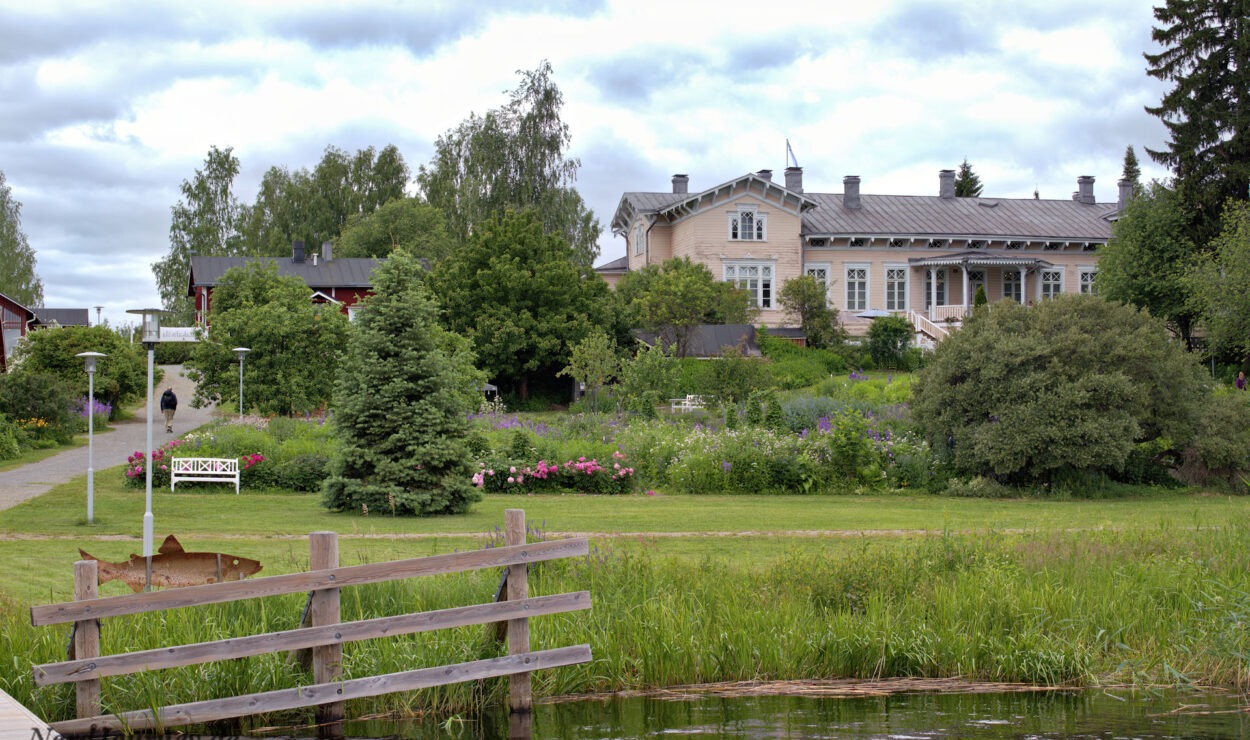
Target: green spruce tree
[401,410]
[967,183]
[1132,170]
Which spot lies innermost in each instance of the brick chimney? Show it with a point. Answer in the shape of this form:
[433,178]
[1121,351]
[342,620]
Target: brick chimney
[680,183]
[765,175]
[794,179]
[1126,194]
[297,251]
[946,183]
[1084,190]
[850,192]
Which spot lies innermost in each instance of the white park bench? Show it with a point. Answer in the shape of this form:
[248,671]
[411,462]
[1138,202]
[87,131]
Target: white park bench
[689,403]
[204,469]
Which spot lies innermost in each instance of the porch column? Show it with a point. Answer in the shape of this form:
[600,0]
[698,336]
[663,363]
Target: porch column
[964,267]
[1022,283]
[932,294]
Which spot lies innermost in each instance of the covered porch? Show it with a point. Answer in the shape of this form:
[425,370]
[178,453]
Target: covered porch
[951,281]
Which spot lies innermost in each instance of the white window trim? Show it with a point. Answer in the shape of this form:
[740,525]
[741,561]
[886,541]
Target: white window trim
[1019,281]
[1092,271]
[943,279]
[846,281]
[1041,281]
[639,239]
[885,275]
[758,220]
[828,268]
[769,265]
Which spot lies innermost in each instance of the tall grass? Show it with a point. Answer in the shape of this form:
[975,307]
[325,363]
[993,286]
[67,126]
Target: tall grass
[1158,606]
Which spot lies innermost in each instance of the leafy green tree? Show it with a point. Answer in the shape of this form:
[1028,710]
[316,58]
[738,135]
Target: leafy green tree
[593,363]
[318,206]
[513,158]
[403,223]
[206,221]
[1220,284]
[673,298]
[520,298]
[1132,170]
[806,301]
[1145,262]
[119,377]
[294,343]
[888,339]
[17,260]
[967,183]
[646,380]
[400,408]
[1206,57]
[735,376]
[1070,386]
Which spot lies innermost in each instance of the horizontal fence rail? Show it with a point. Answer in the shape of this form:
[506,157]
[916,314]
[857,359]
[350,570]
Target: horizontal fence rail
[324,635]
[355,575]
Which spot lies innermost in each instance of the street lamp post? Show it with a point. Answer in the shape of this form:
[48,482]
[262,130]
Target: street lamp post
[151,336]
[90,359]
[242,353]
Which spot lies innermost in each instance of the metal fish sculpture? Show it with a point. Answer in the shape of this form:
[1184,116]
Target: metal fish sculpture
[173,567]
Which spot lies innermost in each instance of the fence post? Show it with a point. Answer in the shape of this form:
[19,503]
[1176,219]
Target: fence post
[519,698]
[324,609]
[87,637]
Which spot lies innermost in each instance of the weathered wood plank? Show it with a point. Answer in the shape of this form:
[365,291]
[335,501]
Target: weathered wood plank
[272,701]
[215,593]
[323,611]
[87,637]
[519,696]
[308,637]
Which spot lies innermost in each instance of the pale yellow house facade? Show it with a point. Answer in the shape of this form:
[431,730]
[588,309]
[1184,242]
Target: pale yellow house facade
[921,257]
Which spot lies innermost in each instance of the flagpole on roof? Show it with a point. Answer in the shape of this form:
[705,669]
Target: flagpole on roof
[791,160]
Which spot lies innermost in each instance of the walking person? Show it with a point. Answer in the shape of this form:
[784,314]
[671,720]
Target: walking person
[1241,381]
[169,404]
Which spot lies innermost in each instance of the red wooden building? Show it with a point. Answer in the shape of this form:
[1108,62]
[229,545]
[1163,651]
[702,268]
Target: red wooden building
[343,281]
[14,319]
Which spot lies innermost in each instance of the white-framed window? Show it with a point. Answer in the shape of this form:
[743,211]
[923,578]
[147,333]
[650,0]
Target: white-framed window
[640,239]
[1088,280]
[748,225]
[928,288]
[976,278]
[1052,283]
[1011,285]
[895,288]
[819,271]
[755,277]
[856,287]
[351,312]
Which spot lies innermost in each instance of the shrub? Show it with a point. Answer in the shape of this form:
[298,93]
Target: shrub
[42,407]
[581,475]
[9,448]
[1221,448]
[888,339]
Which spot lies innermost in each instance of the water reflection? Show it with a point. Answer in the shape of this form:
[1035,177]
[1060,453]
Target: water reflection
[1092,714]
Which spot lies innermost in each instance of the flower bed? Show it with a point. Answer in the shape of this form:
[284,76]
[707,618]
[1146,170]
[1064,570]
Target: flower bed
[581,475]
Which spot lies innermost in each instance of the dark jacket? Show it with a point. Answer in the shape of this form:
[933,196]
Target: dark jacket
[169,400]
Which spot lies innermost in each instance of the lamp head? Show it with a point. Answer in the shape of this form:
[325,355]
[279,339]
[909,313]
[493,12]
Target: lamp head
[241,352]
[151,324]
[90,358]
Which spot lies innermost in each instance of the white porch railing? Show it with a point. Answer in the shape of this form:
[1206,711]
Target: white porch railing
[942,313]
[927,327]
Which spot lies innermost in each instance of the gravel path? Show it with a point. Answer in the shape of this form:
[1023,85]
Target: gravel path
[111,448]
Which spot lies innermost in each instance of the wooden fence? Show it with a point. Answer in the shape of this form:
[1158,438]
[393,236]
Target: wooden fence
[325,635]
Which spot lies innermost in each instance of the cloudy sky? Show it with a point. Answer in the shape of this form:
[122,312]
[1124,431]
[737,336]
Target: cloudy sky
[106,108]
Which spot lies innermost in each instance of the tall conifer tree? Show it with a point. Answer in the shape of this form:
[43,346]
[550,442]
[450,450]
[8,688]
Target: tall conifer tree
[1206,55]
[967,183]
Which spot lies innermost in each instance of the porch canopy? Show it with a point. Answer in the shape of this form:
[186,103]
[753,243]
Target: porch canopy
[973,259]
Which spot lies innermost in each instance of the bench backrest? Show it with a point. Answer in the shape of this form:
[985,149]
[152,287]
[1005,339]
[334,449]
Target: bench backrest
[205,465]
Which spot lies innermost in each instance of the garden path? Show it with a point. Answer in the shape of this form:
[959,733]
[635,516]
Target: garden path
[111,448]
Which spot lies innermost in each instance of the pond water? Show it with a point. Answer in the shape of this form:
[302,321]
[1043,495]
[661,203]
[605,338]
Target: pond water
[1087,714]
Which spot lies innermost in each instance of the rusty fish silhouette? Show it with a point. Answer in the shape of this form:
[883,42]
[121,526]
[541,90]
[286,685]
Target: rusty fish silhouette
[173,567]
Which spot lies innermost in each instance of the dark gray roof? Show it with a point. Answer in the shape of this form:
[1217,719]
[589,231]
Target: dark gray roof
[924,215]
[341,272]
[617,265]
[707,340]
[930,215]
[62,316]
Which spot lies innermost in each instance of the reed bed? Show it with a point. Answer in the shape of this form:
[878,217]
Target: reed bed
[1146,607]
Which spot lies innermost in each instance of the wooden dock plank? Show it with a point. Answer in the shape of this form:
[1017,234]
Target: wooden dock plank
[19,723]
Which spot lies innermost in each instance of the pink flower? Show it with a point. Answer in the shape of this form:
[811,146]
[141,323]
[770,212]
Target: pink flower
[511,479]
[650,493]
[512,469]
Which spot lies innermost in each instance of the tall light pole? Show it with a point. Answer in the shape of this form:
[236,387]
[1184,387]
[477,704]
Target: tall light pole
[90,358]
[242,353]
[151,335]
